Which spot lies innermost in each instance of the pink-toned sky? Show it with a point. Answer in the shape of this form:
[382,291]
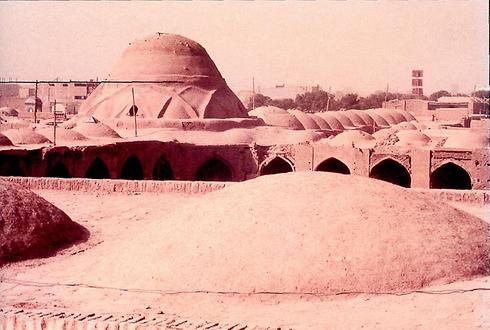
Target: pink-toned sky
[351,45]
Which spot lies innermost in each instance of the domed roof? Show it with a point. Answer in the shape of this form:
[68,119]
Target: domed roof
[4,141]
[354,117]
[322,123]
[412,138]
[304,119]
[340,116]
[25,136]
[274,116]
[172,78]
[164,56]
[332,121]
[352,137]
[96,130]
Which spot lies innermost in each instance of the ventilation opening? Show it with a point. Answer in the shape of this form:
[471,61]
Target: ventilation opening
[59,171]
[393,172]
[10,166]
[132,169]
[97,170]
[450,176]
[333,165]
[213,170]
[162,169]
[275,166]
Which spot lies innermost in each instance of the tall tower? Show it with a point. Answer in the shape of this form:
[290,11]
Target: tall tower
[417,82]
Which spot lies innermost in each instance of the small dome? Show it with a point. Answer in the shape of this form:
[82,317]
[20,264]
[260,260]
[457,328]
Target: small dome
[322,123]
[25,136]
[331,120]
[354,117]
[8,111]
[96,130]
[352,138]
[406,125]
[62,134]
[412,138]
[304,119]
[4,141]
[343,118]
[274,116]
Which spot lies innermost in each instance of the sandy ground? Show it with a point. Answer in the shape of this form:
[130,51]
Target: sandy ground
[460,305]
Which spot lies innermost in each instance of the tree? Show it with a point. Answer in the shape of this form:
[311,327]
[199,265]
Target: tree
[482,94]
[434,96]
[350,101]
[315,101]
[283,103]
[258,100]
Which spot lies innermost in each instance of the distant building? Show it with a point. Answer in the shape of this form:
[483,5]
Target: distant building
[69,95]
[451,108]
[417,82]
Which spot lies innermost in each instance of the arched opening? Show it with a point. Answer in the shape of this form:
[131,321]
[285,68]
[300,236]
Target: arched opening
[333,165]
[213,170]
[391,171]
[59,171]
[97,170]
[450,176]
[132,169]
[275,166]
[162,169]
[10,166]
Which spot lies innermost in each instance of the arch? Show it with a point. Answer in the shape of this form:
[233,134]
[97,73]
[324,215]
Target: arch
[58,171]
[11,166]
[213,169]
[333,165]
[450,176]
[391,171]
[162,169]
[97,170]
[132,169]
[276,165]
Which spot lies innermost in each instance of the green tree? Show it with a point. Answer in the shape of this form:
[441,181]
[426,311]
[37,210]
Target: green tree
[349,101]
[482,94]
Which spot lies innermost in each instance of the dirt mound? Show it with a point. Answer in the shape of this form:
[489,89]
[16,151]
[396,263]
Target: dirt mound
[96,130]
[299,232]
[32,227]
[25,136]
[5,141]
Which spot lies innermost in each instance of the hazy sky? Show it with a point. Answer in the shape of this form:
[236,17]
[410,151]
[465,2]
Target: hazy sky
[360,46]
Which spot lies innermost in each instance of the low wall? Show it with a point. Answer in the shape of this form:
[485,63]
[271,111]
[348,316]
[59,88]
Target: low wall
[125,186]
[18,319]
[476,197]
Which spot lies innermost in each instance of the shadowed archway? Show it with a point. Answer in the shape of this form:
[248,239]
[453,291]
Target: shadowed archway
[213,170]
[58,171]
[333,165]
[10,166]
[450,176]
[162,169]
[97,170]
[132,169]
[391,171]
[275,166]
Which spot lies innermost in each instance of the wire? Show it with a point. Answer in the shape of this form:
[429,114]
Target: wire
[167,292]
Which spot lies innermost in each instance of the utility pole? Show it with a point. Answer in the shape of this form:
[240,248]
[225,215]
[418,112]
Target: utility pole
[386,93]
[54,123]
[135,111]
[35,105]
[328,97]
[253,93]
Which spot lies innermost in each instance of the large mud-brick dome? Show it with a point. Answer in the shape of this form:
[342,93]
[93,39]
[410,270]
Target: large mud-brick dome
[181,82]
